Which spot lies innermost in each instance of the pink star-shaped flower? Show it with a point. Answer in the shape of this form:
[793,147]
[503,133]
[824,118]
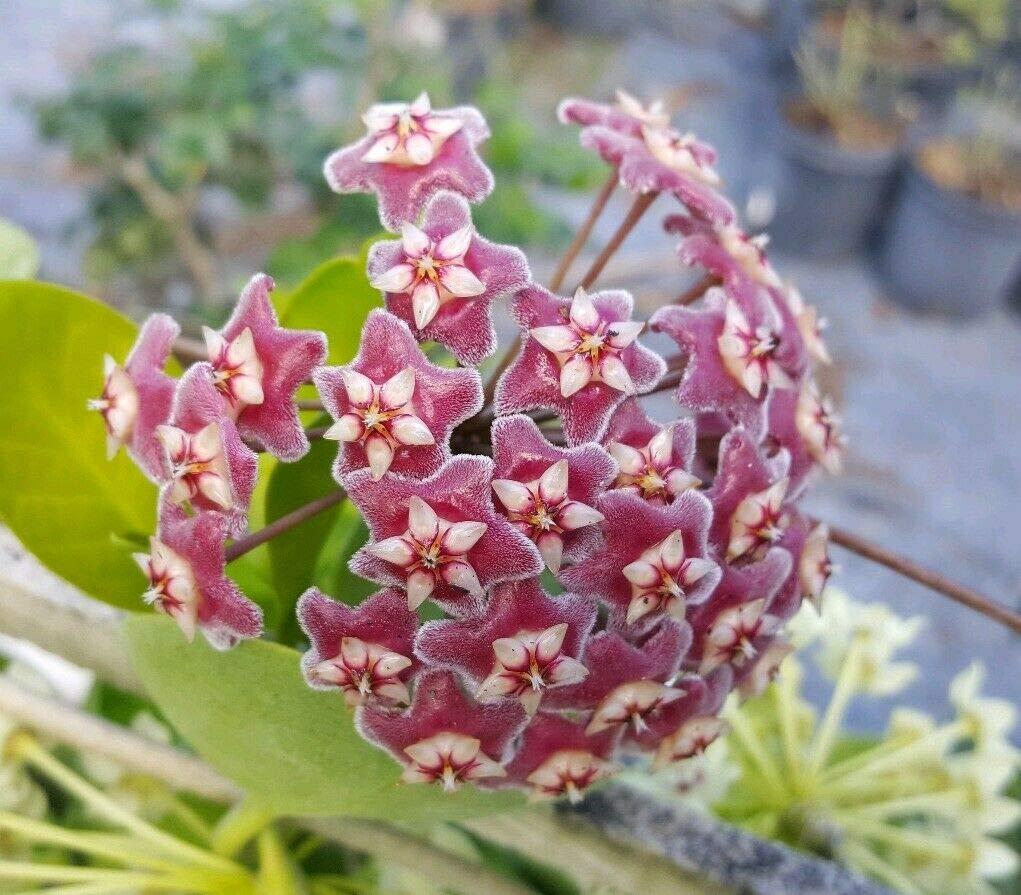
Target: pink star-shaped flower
[394,408]
[810,324]
[439,538]
[557,758]
[257,366]
[442,279]
[548,492]
[654,461]
[445,737]
[738,623]
[732,361]
[653,558]
[612,661]
[725,251]
[804,424]
[137,397]
[365,651]
[207,464]
[184,567]
[578,357]
[748,498]
[649,155]
[753,679]
[524,644]
[411,153]
[692,738]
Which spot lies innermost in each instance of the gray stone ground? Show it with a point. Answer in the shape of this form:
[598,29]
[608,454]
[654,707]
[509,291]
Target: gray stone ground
[932,407]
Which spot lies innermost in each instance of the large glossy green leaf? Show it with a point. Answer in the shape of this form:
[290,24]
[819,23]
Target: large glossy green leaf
[334,298]
[19,253]
[294,750]
[293,554]
[70,506]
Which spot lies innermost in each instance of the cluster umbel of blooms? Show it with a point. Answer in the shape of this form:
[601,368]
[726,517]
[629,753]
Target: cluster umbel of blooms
[678,547]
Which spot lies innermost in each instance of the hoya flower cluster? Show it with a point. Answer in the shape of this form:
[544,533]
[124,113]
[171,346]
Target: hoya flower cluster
[604,579]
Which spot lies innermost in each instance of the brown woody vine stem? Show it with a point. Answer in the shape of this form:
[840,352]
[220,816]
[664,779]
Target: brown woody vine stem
[243,545]
[933,580]
[584,232]
[638,208]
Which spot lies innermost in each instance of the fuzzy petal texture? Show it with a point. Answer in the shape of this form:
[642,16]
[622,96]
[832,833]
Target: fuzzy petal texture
[440,705]
[742,470]
[288,358]
[382,619]
[197,403]
[225,615]
[633,526]
[459,491]
[522,454]
[641,172]
[666,457]
[549,735]
[442,398]
[403,191]
[533,380]
[706,385]
[464,326]
[154,390]
[467,645]
[613,660]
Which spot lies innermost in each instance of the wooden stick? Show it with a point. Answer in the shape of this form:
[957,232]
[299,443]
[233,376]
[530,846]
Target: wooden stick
[933,580]
[243,545]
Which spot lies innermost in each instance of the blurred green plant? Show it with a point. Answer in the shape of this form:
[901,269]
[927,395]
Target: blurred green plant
[922,808]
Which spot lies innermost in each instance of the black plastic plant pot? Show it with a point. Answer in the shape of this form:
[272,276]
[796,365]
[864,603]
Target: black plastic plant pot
[828,198]
[947,252]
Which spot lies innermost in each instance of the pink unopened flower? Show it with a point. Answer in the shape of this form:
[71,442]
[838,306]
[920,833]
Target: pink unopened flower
[257,366]
[735,634]
[207,463]
[410,153]
[653,558]
[394,409]
[524,644]
[439,537]
[549,492]
[445,737]
[558,758]
[442,279]
[649,155]
[136,398]
[690,739]
[185,570]
[653,460]
[579,358]
[366,651]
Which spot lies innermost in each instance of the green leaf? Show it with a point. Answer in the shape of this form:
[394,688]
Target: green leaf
[19,254]
[293,749]
[67,504]
[293,554]
[334,298]
[332,575]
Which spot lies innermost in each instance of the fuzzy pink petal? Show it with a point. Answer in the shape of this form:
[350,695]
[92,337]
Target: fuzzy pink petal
[288,358]
[459,491]
[144,365]
[533,379]
[549,734]
[443,399]
[462,325]
[225,615]
[404,191]
[440,705]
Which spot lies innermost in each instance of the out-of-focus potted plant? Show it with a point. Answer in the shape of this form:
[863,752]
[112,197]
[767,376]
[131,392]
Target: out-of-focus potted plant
[955,235]
[838,142]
